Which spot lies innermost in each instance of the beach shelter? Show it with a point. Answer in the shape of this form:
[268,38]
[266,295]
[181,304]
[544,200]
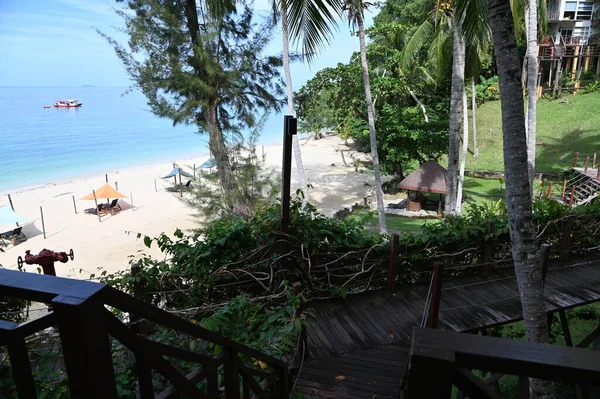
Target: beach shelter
[106,191]
[209,164]
[177,172]
[8,219]
[429,177]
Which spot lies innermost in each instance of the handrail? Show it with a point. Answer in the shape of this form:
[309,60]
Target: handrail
[120,300]
[449,356]
[85,325]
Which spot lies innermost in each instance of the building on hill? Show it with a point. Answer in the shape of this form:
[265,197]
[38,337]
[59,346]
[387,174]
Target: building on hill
[569,54]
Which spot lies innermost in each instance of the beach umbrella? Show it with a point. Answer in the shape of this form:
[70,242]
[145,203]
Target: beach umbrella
[106,191]
[210,163]
[8,218]
[177,172]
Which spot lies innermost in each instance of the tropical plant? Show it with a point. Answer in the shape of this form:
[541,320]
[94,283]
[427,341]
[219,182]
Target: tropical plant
[202,63]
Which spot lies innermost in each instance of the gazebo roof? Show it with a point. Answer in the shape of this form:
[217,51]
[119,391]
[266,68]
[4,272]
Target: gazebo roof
[429,177]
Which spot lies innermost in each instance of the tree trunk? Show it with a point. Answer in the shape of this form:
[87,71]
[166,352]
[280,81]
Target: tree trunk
[290,100]
[224,170]
[518,191]
[371,119]
[456,115]
[463,160]
[474,116]
[532,72]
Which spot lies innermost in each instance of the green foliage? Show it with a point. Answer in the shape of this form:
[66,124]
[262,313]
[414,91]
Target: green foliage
[219,63]
[486,90]
[257,185]
[241,256]
[402,133]
[314,113]
[592,87]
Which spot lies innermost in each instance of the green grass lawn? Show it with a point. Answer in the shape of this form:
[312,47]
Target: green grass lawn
[564,127]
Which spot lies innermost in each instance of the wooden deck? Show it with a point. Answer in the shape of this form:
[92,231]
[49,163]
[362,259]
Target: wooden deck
[353,331]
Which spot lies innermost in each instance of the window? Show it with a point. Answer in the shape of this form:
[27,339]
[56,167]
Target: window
[578,10]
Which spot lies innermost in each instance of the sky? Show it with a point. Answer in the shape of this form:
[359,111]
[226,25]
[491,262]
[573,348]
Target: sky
[55,43]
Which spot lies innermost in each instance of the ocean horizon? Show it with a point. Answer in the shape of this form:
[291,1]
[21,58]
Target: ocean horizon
[111,131]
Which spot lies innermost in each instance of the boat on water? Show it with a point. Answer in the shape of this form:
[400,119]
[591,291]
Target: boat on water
[67,104]
[47,106]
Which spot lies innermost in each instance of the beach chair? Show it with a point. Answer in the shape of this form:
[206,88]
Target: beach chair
[13,236]
[114,205]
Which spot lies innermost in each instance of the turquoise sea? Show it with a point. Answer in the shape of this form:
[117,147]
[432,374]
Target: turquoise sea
[110,131]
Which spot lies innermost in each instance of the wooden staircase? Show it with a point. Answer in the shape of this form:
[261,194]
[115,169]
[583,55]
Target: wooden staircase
[582,188]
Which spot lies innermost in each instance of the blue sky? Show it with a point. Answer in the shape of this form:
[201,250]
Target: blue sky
[54,43]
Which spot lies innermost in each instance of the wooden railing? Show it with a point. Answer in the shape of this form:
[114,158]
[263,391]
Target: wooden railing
[450,357]
[86,327]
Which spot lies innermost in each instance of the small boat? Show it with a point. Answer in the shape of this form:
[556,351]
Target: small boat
[47,106]
[67,104]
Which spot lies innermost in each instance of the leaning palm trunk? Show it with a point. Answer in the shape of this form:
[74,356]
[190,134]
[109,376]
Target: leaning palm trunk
[532,72]
[456,115]
[474,116]
[290,99]
[371,119]
[518,192]
[463,160]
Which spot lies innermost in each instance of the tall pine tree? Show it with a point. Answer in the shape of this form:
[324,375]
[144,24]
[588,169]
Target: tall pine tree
[201,63]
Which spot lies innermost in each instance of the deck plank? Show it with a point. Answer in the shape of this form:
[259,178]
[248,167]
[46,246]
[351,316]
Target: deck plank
[357,337]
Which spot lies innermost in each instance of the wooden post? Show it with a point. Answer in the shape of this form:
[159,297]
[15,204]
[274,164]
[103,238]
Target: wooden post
[13,207]
[576,159]
[587,163]
[572,196]
[594,161]
[488,249]
[565,327]
[436,296]
[286,168]
[544,257]
[117,185]
[74,205]
[106,177]
[96,202]
[564,191]
[565,242]
[290,128]
[43,225]
[393,266]
[598,173]
[549,190]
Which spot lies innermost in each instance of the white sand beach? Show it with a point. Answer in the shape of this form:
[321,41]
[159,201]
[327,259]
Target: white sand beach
[107,245]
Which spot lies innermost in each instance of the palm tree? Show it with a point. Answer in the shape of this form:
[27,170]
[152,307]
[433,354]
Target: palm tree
[532,72]
[474,117]
[355,11]
[456,115]
[290,93]
[518,190]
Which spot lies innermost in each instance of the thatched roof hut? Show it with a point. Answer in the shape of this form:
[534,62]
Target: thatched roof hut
[429,177]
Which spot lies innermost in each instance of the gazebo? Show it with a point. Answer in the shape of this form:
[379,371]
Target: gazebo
[429,177]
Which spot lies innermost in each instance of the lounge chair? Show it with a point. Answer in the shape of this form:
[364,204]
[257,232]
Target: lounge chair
[114,205]
[179,187]
[13,236]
